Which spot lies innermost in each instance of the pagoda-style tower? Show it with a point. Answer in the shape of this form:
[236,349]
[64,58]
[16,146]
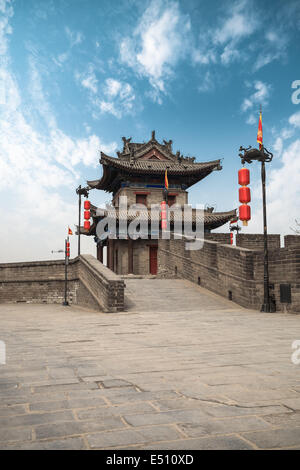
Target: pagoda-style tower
[138,173]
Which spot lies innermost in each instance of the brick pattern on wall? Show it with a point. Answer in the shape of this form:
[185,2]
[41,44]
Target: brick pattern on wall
[103,285]
[218,237]
[255,241]
[291,240]
[233,272]
[90,283]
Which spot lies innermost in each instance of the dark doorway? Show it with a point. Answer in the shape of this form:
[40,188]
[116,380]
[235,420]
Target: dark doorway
[153,259]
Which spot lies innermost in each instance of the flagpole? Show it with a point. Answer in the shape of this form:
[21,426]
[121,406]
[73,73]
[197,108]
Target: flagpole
[65,303]
[80,191]
[79,220]
[266,305]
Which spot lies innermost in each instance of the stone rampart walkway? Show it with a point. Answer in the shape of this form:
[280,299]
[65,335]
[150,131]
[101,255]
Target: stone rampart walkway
[181,369]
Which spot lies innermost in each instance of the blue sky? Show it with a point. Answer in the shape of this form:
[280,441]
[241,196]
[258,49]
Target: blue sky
[77,75]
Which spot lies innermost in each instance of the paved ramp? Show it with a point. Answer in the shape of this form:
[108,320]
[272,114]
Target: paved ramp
[171,295]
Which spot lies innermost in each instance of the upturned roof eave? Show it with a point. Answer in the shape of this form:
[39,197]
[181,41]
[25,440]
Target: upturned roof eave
[195,171]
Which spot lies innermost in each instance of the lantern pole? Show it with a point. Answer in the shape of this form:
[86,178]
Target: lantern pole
[80,191]
[262,155]
[65,303]
[79,219]
[266,306]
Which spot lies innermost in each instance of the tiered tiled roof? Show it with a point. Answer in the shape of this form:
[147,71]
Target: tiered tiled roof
[150,159]
[212,220]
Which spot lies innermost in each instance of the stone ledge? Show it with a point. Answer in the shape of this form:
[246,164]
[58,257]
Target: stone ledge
[90,283]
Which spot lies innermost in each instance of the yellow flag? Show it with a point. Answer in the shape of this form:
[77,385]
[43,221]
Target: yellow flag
[166,180]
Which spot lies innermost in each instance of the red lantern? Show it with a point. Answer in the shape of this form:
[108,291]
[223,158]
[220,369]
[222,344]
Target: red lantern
[244,176]
[244,195]
[87,205]
[87,215]
[87,225]
[244,213]
[231,238]
[68,249]
[164,215]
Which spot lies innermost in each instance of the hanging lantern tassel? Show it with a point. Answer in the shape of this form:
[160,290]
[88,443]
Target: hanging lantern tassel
[244,196]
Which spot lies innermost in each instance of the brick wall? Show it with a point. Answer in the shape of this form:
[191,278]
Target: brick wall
[232,271]
[255,241]
[103,285]
[90,283]
[218,237]
[291,240]
[39,282]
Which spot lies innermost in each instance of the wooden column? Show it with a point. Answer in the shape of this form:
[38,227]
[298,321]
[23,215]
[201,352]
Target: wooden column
[130,256]
[100,253]
[111,254]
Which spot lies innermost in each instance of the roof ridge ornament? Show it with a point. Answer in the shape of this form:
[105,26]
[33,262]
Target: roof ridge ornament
[168,144]
[153,136]
[126,142]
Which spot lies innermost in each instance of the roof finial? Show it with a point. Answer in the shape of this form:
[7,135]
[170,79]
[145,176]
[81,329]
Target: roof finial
[153,135]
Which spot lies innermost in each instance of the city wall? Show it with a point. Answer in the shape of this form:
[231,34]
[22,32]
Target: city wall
[90,283]
[236,272]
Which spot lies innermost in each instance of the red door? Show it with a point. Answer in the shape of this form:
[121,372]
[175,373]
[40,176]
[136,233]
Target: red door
[153,259]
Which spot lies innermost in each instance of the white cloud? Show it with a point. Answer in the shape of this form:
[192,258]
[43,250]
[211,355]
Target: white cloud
[278,146]
[283,209]
[37,95]
[285,133]
[203,56]
[207,83]
[39,172]
[251,119]
[61,59]
[260,96]
[5,27]
[74,37]
[229,55]
[88,79]
[240,23]
[294,120]
[158,43]
[113,87]
[90,82]
[222,43]
[118,99]
[272,48]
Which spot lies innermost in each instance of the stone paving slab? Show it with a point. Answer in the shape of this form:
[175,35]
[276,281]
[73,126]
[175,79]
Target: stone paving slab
[181,369]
